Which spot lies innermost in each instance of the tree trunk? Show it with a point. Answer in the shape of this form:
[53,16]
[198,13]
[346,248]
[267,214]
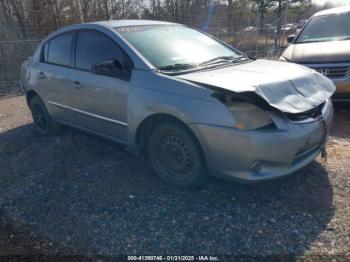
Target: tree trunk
[17,8]
[106,9]
[230,17]
[279,25]
[262,18]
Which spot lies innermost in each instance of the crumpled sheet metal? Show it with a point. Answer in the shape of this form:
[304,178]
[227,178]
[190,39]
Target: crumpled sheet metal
[288,87]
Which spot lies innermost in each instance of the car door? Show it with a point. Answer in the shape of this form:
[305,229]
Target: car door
[100,100]
[53,76]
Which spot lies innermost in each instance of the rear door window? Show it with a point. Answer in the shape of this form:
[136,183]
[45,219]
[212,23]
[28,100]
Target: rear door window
[59,50]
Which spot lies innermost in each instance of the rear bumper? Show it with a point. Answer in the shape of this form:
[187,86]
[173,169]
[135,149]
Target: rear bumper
[253,156]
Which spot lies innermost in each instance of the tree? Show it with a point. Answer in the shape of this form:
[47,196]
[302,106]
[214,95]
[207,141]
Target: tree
[238,15]
[281,5]
[262,7]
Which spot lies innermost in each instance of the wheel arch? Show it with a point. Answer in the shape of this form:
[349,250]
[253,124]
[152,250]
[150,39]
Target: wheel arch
[29,96]
[146,127]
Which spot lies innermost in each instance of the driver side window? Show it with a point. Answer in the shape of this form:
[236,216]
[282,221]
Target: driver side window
[93,48]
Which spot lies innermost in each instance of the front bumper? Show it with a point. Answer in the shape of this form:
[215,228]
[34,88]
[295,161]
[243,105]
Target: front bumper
[254,156]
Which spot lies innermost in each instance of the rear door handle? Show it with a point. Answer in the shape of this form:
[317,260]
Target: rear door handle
[42,75]
[77,84]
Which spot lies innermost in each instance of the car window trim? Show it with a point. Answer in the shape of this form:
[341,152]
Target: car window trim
[302,30]
[42,51]
[76,33]
[48,41]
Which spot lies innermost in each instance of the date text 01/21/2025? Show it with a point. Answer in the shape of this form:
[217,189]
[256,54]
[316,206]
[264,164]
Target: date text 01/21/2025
[173,258]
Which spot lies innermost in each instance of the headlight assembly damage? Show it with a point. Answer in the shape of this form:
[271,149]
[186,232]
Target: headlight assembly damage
[247,115]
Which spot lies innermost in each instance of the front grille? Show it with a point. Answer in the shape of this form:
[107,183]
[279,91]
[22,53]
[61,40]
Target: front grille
[313,113]
[333,71]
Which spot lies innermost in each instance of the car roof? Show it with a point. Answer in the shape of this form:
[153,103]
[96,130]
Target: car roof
[122,23]
[336,10]
[107,28]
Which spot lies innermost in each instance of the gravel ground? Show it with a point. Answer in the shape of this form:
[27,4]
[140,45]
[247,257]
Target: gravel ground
[83,195]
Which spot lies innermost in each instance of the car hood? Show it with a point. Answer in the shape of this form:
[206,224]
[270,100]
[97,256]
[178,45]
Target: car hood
[321,52]
[288,87]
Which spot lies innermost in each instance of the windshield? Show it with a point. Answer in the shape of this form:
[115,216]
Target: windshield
[166,46]
[333,27]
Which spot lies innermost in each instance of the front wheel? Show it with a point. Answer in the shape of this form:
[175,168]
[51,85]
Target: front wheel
[41,118]
[176,156]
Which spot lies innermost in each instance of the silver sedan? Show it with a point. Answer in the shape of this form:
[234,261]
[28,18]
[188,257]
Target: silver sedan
[193,104]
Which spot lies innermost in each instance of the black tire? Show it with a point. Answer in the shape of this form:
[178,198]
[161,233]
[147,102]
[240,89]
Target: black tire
[42,121]
[176,155]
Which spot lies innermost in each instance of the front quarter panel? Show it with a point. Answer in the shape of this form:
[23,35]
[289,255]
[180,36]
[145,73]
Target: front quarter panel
[152,93]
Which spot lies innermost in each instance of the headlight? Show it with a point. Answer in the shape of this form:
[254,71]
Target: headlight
[249,116]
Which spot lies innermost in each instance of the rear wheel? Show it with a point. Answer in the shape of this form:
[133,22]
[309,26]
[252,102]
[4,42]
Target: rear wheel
[176,155]
[41,118]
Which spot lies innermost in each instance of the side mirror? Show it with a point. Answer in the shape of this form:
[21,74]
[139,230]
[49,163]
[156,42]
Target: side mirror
[108,68]
[290,38]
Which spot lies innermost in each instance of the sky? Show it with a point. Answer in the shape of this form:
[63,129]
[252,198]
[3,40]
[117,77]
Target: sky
[344,2]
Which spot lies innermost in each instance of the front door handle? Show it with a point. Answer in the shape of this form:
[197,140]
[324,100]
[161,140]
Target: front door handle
[77,84]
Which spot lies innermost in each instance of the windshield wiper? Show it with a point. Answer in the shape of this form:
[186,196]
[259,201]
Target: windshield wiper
[172,67]
[344,38]
[326,40]
[241,58]
[217,59]
[185,66]
[312,41]
[231,59]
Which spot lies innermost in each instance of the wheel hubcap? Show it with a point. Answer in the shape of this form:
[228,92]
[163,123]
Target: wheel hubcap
[39,117]
[175,155]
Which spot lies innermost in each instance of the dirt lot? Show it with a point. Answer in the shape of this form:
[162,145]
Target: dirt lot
[89,196]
